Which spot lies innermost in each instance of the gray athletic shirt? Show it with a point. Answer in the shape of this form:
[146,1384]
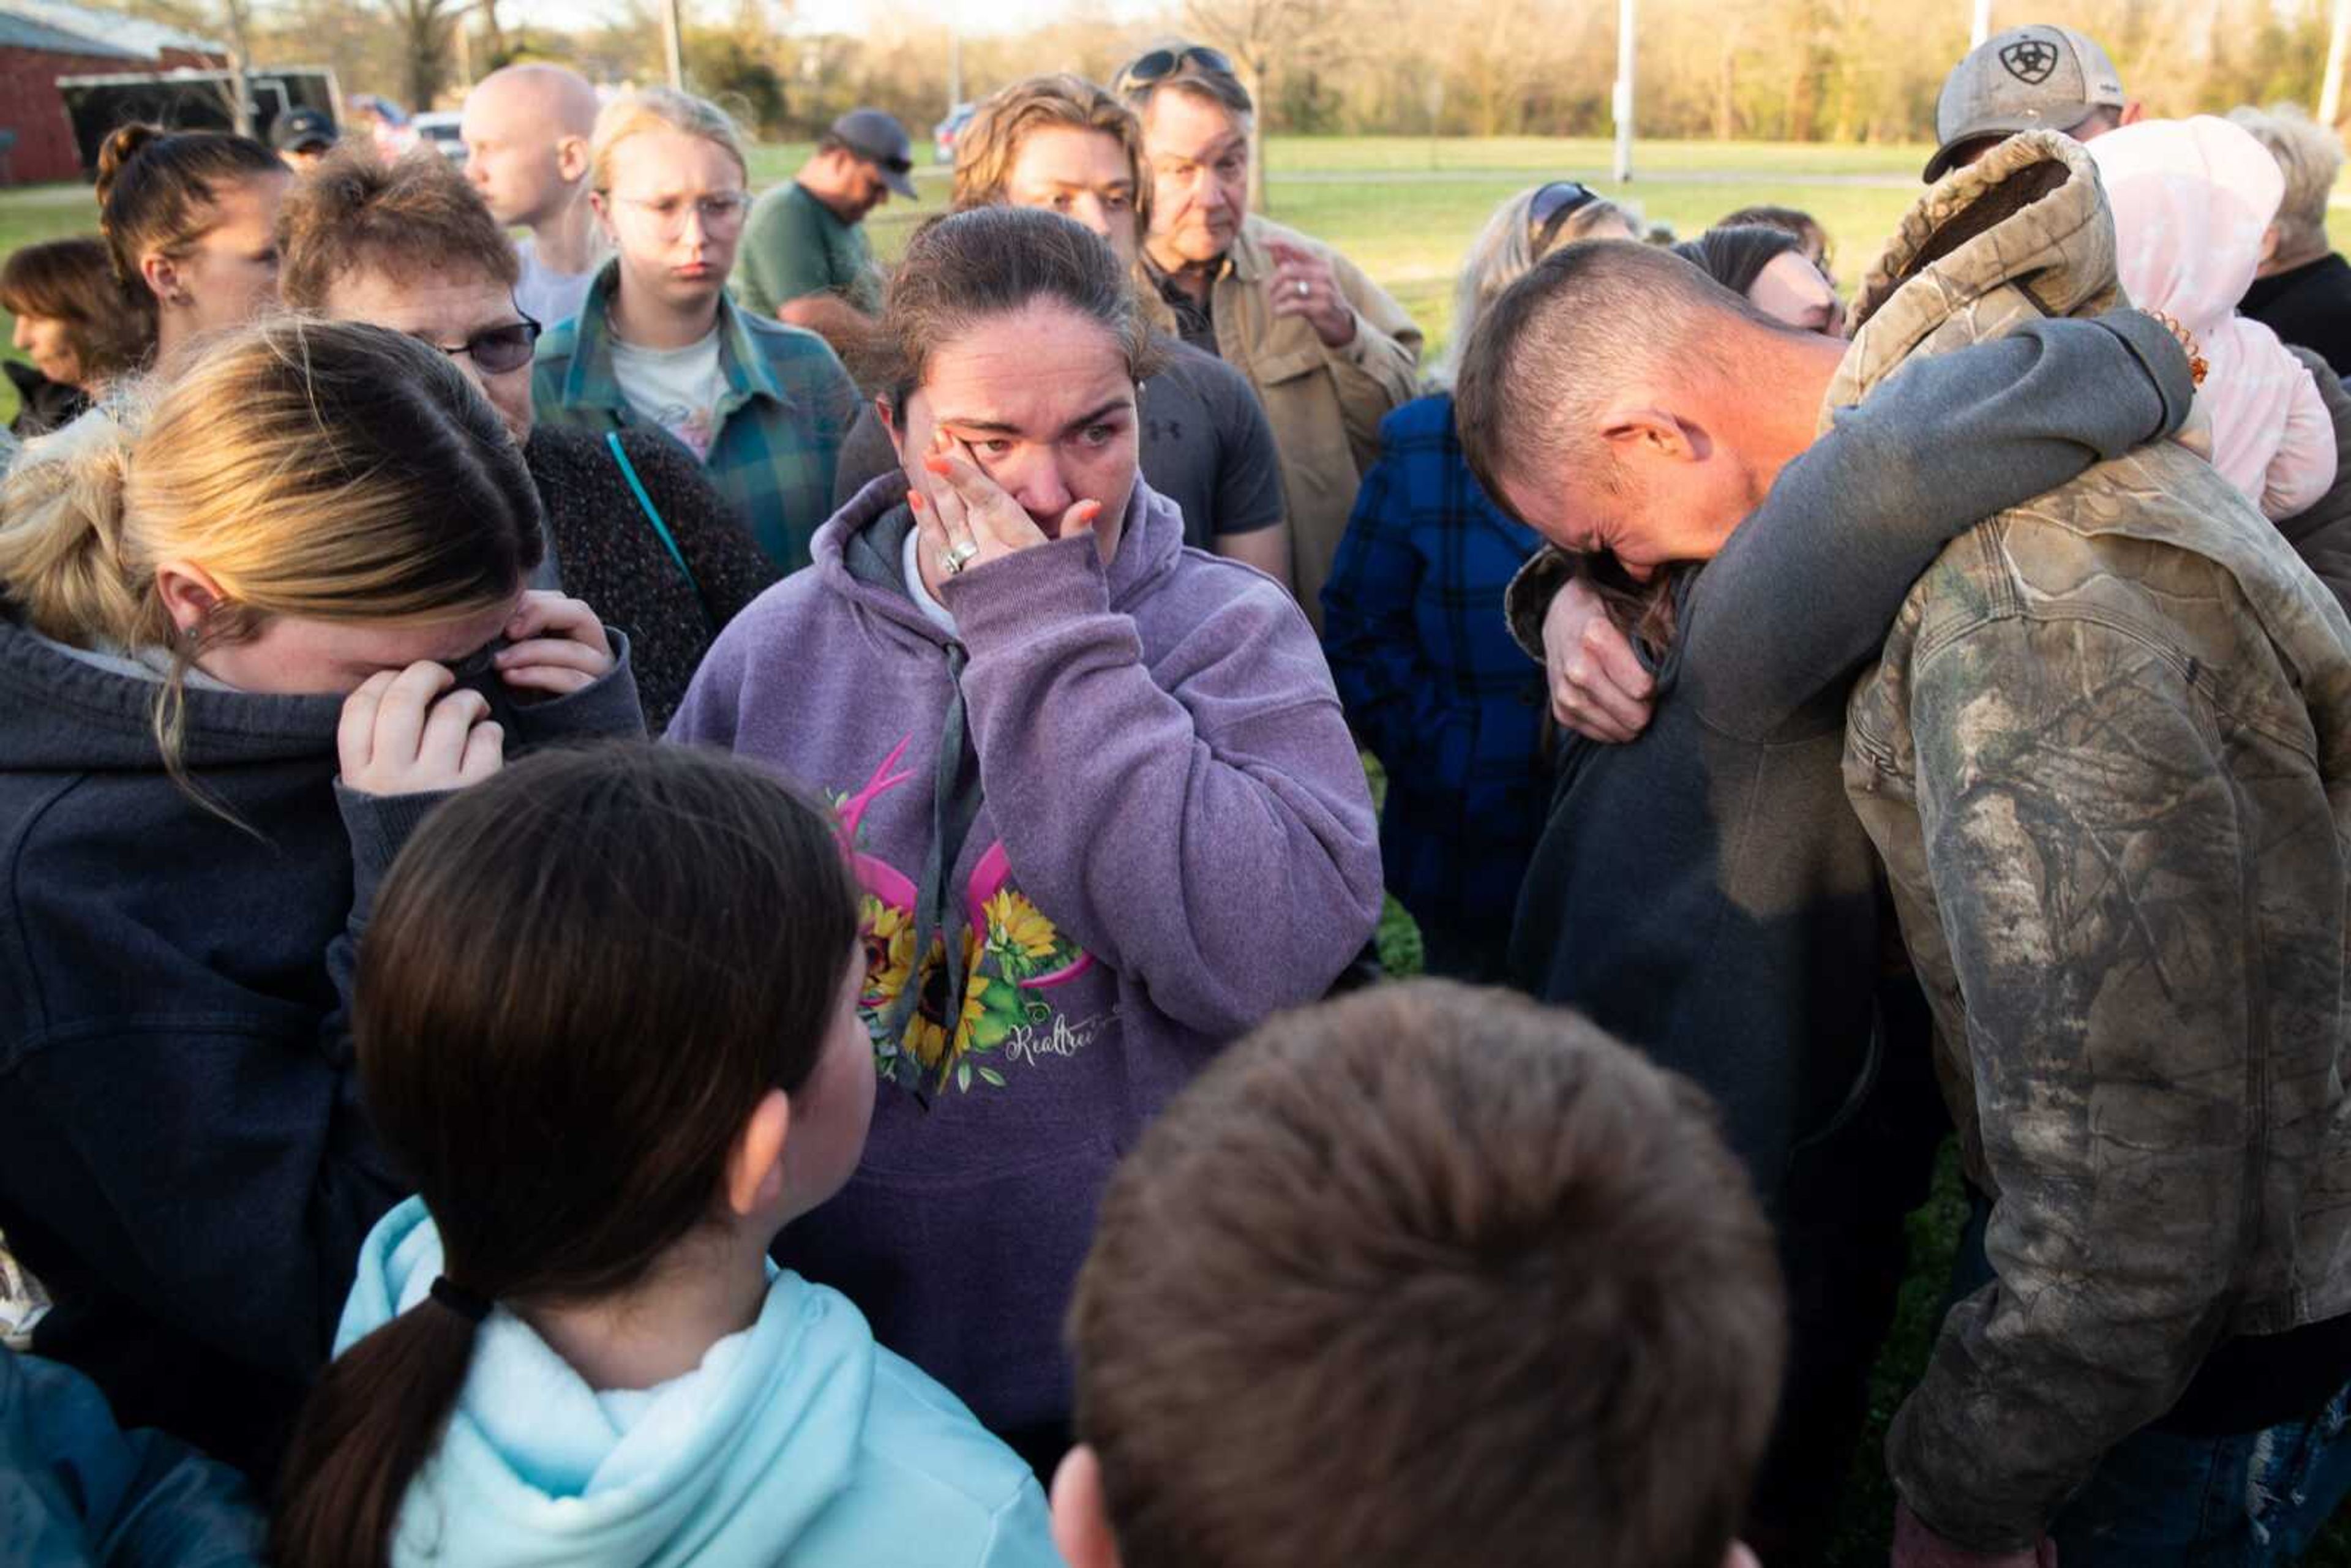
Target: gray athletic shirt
[1205,447]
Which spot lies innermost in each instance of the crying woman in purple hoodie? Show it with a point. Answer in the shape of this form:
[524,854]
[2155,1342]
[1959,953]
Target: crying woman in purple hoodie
[1103,809]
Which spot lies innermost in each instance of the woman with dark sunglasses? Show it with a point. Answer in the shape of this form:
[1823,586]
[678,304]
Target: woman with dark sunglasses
[633,525]
[1412,623]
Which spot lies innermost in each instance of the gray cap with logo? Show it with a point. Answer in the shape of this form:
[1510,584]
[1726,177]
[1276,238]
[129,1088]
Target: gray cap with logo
[881,140]
[2039,77]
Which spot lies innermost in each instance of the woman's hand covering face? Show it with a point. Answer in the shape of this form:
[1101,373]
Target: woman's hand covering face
[969,518]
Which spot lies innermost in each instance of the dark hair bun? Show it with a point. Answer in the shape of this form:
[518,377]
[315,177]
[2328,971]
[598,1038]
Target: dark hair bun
[123,143]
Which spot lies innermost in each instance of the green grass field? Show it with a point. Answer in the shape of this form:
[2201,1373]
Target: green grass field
[1406,209]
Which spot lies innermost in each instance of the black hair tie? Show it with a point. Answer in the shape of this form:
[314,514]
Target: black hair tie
[473,1308]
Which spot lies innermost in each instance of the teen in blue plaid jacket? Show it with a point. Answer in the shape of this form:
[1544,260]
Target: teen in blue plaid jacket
[1413,626]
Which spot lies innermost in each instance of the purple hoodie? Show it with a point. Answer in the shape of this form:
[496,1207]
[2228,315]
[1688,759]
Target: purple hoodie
[1173,840]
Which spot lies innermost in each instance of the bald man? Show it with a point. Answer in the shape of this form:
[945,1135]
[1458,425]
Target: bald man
[526,129]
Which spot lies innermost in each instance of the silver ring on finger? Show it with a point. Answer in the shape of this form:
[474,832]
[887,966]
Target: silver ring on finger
[957,556]
[1303,290]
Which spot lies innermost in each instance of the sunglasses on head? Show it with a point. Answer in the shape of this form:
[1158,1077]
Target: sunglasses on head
[497,349]
[1552,206]
[1160,64]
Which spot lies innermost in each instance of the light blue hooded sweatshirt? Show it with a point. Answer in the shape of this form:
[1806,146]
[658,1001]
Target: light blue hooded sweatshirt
[797,1440]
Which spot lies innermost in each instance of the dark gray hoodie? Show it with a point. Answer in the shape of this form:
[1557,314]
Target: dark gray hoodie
[183,1162]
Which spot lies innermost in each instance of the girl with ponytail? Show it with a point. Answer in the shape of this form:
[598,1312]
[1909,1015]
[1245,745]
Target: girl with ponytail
[242,650]
[570,1345]
[189,218]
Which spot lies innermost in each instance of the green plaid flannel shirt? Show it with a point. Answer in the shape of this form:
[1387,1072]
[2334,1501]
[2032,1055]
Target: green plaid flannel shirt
[780,425]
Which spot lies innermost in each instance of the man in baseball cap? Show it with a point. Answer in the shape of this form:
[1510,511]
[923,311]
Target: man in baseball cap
[805,259]
[301,137]
[2035,77]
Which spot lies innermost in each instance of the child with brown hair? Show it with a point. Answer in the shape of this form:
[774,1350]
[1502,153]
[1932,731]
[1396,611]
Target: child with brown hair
[571,1346]
[1425,1275]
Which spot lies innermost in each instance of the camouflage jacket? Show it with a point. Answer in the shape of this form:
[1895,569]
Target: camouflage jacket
[2107,759]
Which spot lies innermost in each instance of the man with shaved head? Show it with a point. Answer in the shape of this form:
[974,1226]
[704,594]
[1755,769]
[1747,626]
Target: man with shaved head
[526,130]
[2102,752]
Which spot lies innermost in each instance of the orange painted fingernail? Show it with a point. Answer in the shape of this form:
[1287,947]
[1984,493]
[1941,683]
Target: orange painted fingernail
[914,500]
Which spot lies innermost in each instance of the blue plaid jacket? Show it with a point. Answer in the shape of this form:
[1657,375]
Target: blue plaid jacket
[780,425]
[1413,626]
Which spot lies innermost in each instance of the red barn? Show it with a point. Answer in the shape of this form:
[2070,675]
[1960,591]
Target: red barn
[41,41]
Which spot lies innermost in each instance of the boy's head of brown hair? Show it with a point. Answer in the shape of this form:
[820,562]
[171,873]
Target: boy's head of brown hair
[1425,1275]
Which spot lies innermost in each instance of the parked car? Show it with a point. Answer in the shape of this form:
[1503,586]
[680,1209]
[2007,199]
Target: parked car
[944,134]
[438,130]
[384,122]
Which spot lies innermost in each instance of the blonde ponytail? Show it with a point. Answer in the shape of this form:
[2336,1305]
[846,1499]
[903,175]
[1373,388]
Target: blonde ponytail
[325,471]
[61,524]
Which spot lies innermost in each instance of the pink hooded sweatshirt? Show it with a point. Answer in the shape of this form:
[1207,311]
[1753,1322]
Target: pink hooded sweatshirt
[2191,199]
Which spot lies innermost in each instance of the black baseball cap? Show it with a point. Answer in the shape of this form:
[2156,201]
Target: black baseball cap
[881,140]
[301,130]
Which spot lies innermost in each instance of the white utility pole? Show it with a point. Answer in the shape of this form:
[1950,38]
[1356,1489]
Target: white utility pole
[674,42]
[2330,95]
[1982,29]
[1623,99]
[955,66]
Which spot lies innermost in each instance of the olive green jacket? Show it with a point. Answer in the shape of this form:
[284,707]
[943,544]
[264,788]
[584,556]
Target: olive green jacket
[2106,758]
[1326,404]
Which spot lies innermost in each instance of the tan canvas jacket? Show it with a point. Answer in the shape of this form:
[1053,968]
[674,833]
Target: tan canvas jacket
[2107,760]
[1326,404]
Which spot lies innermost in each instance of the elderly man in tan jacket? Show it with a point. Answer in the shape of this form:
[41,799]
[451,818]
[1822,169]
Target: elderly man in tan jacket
[1328,350]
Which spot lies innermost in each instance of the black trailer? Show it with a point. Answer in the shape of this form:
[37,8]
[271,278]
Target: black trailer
[191,100]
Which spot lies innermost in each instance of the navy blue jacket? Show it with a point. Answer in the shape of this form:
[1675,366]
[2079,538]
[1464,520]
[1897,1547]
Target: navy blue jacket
[77,1491]
[183,1163]
[1413,626]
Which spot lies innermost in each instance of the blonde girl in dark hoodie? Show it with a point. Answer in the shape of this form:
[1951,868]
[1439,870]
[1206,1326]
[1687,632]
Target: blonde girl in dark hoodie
[250,635]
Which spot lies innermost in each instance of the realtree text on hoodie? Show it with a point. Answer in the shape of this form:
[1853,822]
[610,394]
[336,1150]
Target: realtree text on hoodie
[797,1440]
[1157,833]
[183,1159]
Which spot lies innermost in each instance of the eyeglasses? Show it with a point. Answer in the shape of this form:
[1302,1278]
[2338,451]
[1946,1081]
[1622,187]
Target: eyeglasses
[720,211]
[1160,64]
[497,349]
[1552,206]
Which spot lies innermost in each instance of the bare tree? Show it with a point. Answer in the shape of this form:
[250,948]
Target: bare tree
[425,28]
[1264,37]
[230,21]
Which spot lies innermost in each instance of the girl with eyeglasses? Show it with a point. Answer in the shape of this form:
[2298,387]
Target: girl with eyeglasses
[249,635]
[762,407]
[634,526]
